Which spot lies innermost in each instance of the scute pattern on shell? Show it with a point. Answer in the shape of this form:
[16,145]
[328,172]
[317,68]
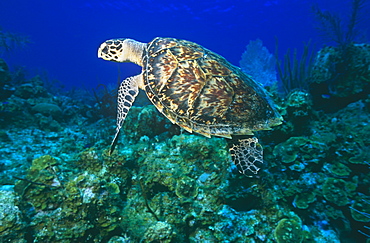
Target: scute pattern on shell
[202,92]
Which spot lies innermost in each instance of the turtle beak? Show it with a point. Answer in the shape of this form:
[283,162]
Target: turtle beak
[103,49]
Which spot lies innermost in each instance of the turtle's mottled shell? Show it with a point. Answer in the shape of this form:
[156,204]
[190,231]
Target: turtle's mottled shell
[202,92]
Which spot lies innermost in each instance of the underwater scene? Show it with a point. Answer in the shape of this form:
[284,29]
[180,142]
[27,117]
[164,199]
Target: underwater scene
[185,121]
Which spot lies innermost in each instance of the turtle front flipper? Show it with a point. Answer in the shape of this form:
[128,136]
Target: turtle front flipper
[247,155]
[127,92]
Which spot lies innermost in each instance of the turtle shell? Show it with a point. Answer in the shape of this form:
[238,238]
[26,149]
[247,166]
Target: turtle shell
[202,92]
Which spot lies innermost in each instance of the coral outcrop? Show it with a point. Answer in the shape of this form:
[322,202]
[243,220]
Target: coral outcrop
[166,185]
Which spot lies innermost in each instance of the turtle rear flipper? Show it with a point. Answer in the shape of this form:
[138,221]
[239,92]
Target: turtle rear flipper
[247,155]
[127,92]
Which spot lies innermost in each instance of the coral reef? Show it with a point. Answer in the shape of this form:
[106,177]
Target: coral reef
[11,222]
[75,204]
[332,70]
[166,185]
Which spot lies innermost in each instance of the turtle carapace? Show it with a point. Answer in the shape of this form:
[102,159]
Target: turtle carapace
[196,89]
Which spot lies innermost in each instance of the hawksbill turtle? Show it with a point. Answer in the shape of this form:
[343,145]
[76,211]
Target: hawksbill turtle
[198,90]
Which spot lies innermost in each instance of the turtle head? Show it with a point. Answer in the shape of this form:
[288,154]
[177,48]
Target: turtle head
[113,50]
[122,50]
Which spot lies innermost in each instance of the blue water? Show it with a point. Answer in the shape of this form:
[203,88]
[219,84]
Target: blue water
[65,35]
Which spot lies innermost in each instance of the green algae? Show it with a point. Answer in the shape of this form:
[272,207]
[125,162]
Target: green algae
[42,163]
[11,224]
[299,108]
[89,160]
[113,188]
[333,212]
[288,231]
[360,209]
[334,190]
[300,148]
[186,187]
[303,200]
[159,232]
[66,206]
[339,169]
[362,156]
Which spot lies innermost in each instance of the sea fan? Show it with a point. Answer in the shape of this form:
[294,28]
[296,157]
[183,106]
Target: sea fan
[10,41]
[332,27]
[258,62]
